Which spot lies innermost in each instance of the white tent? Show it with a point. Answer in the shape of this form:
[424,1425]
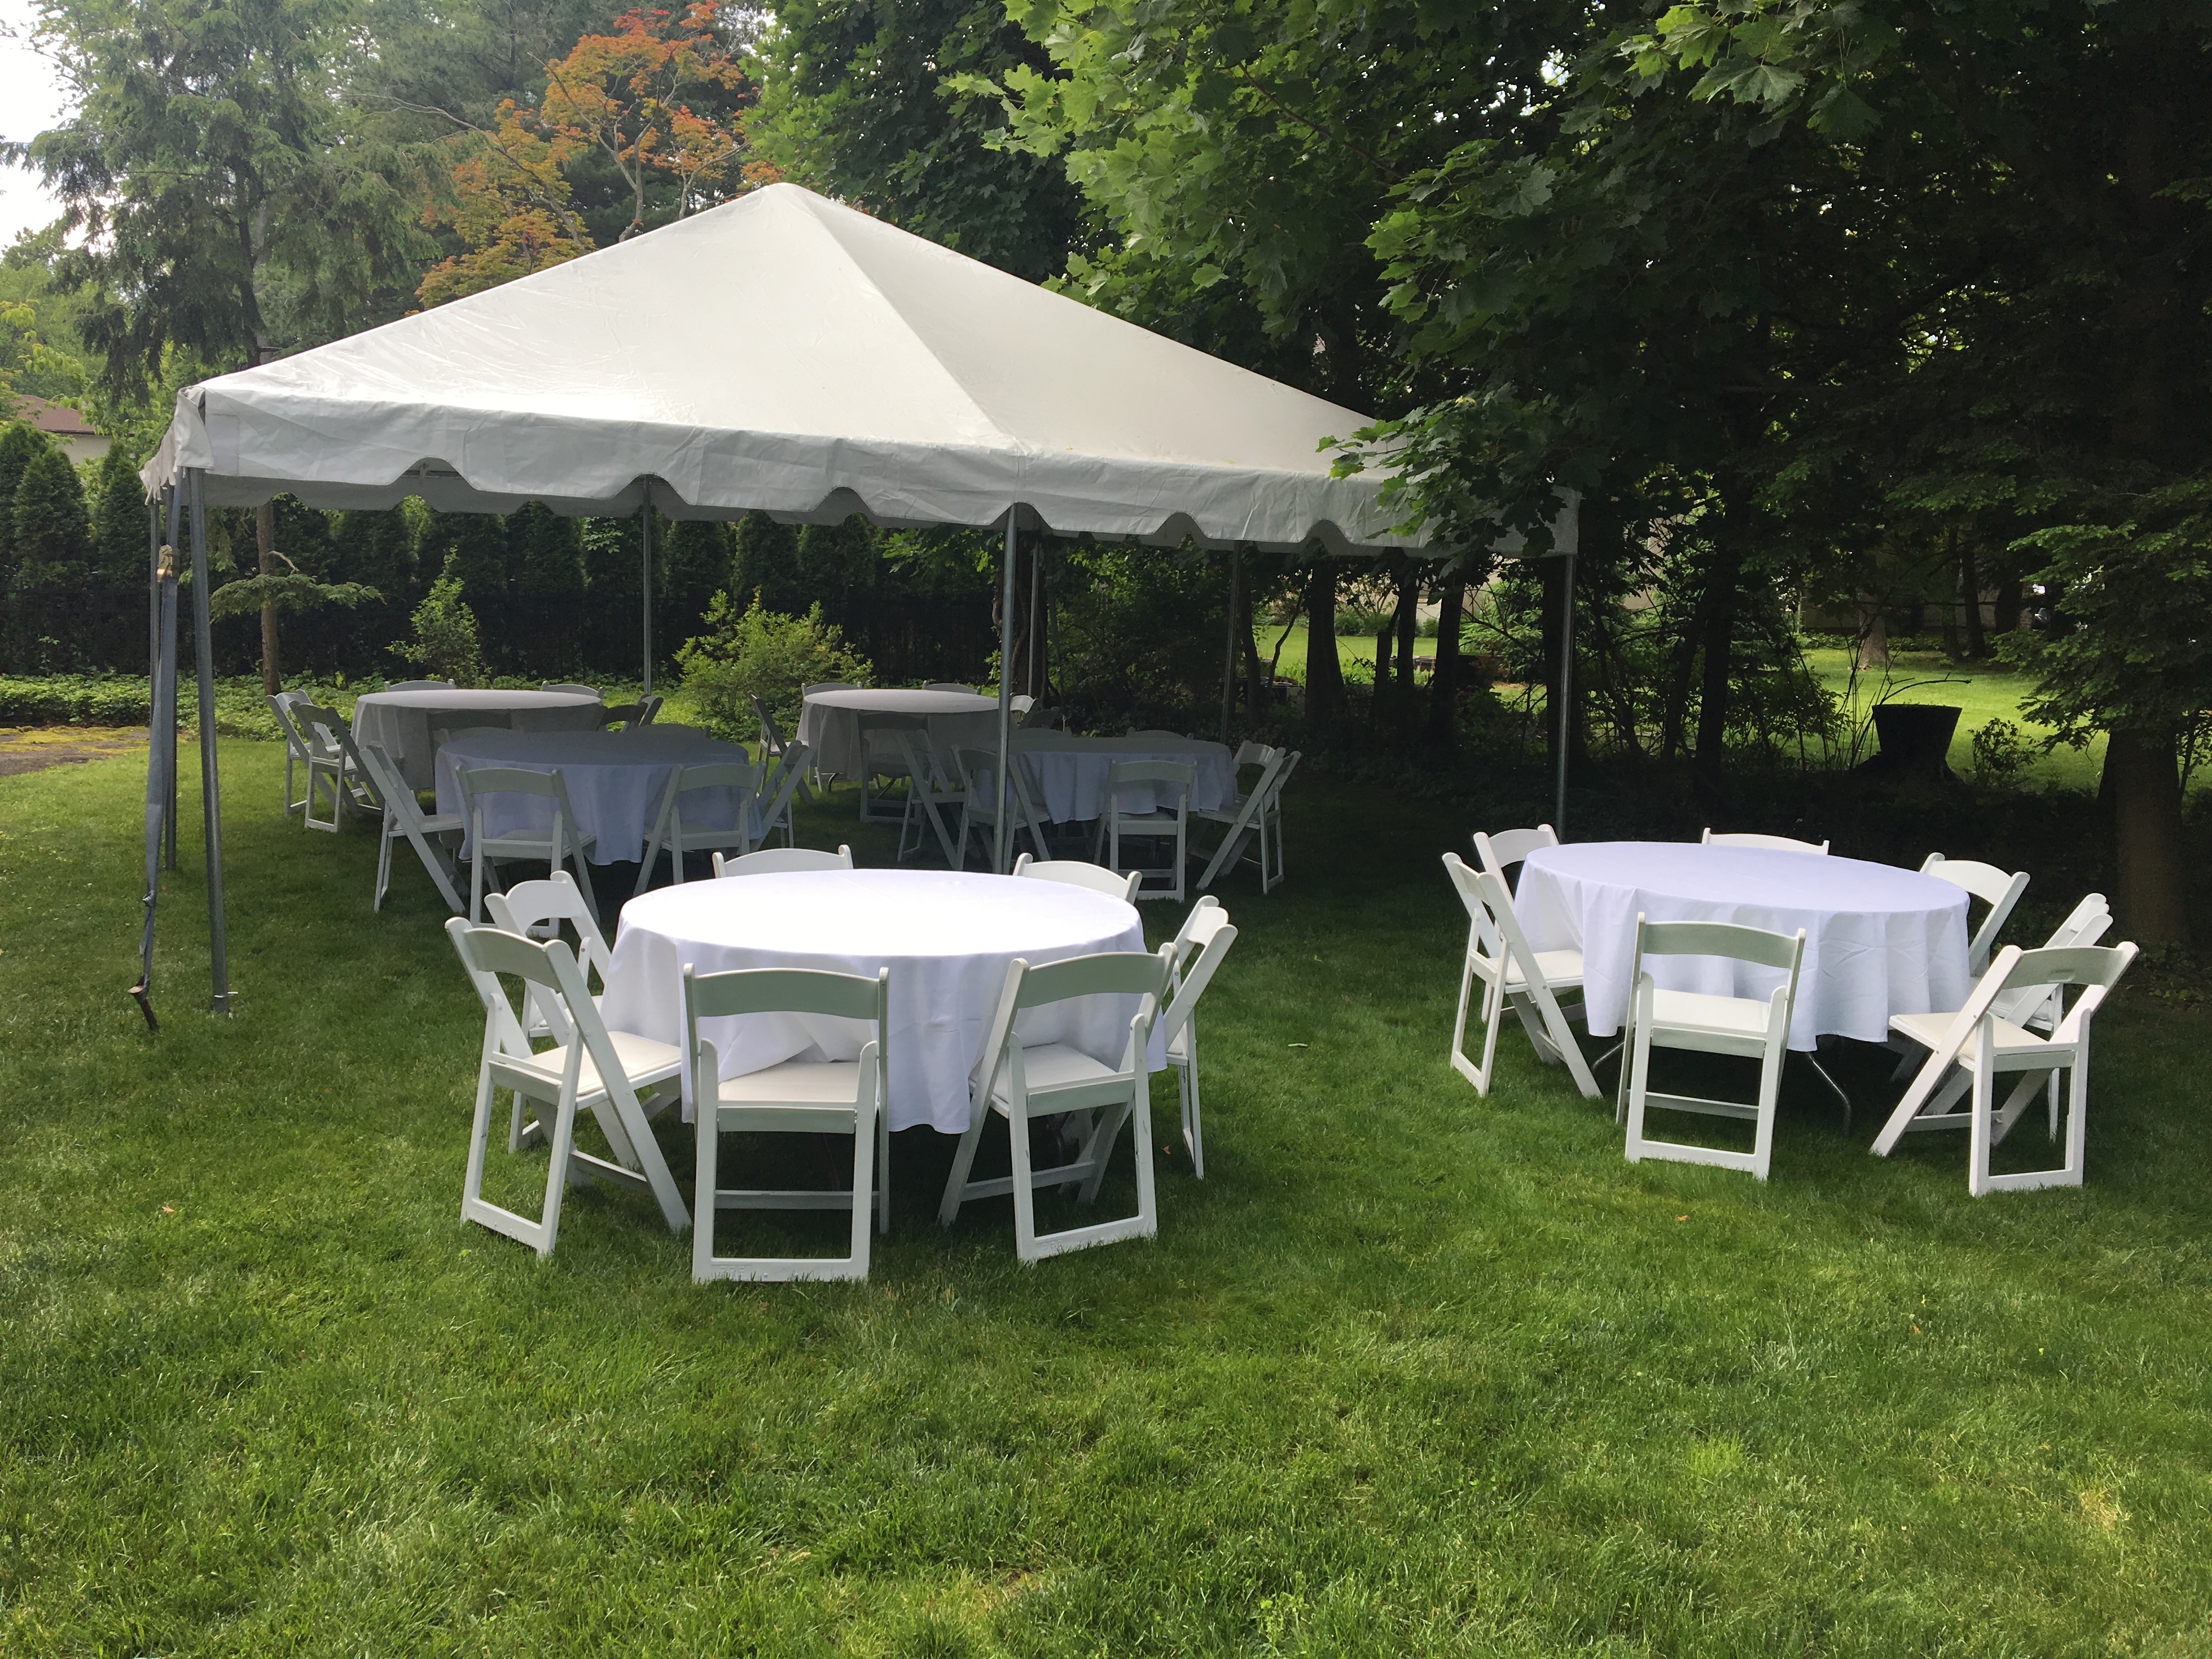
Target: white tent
[781,353]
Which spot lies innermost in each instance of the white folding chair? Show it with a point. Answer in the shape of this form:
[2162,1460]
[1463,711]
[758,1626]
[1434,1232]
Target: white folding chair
[1079,873]
[1209,930]
[568,685]
[1018,705]
[1512,974]
[1499,852]
[404,818]
[1022,1083]
[797,1097]
[1038,716]
[778,860]
[1145,778]
[2037,1007]
[979,807]
[561,841]
[1257,815]
[671,831]
[535,909]
[630,715]
[419,685]
[1713,1024]
[1967,1050]
[773,745]
[1998,889]
[884,762]
[597,1070]
[295,746]
[783,779]
[325,736]
[1773,843]
[931,794]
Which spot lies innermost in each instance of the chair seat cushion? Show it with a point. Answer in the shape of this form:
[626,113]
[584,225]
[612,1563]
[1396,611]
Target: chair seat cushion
[1929,1029]
[1695,1011]
[1560,969]
[642,1061]
[796,1083]
[1053,1065]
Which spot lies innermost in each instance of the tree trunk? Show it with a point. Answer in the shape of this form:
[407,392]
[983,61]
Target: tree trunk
[2008,608]
[1443,681]
[2150,889]
[1873,636]
[264,535]
[1970,589]
[1324,675]
[1718,643]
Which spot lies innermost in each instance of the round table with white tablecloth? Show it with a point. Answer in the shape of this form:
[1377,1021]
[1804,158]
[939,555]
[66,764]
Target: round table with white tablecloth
[615,781]
[946,935]
[1068,773]
[1878,940]
[829,724]
[401,722]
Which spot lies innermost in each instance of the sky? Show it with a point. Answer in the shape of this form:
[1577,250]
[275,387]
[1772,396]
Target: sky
[30,102]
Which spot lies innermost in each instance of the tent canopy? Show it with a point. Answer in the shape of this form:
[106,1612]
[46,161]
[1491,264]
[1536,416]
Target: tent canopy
[786,353]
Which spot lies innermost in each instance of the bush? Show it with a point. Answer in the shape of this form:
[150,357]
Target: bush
[2001,754]
[757,653]
[75,700]
[445,645]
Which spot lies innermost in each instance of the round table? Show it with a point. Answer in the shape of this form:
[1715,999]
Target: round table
[946,935]
[402,721]
[1878,940]
[829,724]
[1068,773]
[615,781]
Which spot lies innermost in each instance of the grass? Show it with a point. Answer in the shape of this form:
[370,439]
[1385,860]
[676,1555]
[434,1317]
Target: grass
[1411,1371]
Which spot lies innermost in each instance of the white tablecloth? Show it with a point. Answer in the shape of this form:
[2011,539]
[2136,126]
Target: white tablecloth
[829,724]
[1068,773]
[615,781]
[946,936]
[1878,940]
[402,721]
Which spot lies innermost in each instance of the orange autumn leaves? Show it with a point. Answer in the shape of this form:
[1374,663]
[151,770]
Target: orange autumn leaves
[620,97]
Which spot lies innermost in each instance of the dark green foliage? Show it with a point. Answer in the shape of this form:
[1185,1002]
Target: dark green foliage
[546,561]
[19,441]
[1140,630]
[122,559]
[765,564]
[376,548]
[691,561]
[55,601]
[614,636]
[472,549]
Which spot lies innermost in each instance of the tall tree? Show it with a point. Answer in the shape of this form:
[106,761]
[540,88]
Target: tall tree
[545,558]
[21,443]
[53,604]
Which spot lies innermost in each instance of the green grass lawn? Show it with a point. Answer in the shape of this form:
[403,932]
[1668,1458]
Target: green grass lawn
[1410,1371]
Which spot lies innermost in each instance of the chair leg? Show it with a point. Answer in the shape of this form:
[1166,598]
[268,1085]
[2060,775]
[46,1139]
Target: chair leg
[963,1159]
[1194,1129]
[383,870]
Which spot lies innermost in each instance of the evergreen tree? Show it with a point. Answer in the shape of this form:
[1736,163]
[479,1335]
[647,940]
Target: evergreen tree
[545,560]
[53,605]
[693,564]
[19,441]
[472,549]
[377,548]
[767,563]
[315,638]
[122,559]
[613,640]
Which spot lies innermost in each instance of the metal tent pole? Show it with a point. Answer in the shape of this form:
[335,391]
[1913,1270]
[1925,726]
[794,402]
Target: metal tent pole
[211,783]
[161,759]
[646,539]
[999,842]
[173,501]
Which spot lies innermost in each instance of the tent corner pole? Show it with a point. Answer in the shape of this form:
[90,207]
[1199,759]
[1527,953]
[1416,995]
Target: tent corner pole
[1000,839]
[210,782]
[644,519]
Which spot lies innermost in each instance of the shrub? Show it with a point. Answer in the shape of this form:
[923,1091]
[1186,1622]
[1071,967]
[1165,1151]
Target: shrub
[445,645]
[757,653]
[2001,754]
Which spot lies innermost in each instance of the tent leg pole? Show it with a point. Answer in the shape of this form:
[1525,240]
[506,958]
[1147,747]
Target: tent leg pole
[1001,839]
[173,500]
[211,783]
[645,538]
[1567,717]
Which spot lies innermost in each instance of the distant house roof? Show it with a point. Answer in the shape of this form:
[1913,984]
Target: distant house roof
[53,419]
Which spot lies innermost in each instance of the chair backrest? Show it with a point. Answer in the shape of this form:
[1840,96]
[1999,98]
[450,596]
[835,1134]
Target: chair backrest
[419,685]
[2084,925]
[740,775]
[568,685]
[1773,843]
[319,728]
[390,787]
[1020,703]
[784,991]
[1038,717]
[2094,968]
[1186,939]
[1500,852]
[477,781]
[1286,764]
[1999,888]
[1213,935]
[1182,775]
[551,980]
[528,906]
[924,765]
[1250,753]
[1733,940]
[978,770]
[1498,927]
[776,861]
[281,707]
[1077,873]
[829,686]
[1110,973]
[627,715]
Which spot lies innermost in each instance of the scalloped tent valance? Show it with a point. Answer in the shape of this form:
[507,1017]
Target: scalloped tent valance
[786,353]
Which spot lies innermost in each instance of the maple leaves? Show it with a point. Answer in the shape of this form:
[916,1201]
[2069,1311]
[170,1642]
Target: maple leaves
[621,99]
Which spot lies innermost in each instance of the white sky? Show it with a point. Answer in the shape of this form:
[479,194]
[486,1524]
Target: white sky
[30,102]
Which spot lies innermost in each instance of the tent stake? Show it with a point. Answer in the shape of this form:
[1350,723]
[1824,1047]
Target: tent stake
[1006,687]
[210,782]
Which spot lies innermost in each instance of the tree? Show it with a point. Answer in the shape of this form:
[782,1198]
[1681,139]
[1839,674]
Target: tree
[20,444]
[53,606]
[765,564]
[545,556]
[692,558]
[613,567]
[215,210]
[376,548]
[472,549]
[121,560]
[443,644]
